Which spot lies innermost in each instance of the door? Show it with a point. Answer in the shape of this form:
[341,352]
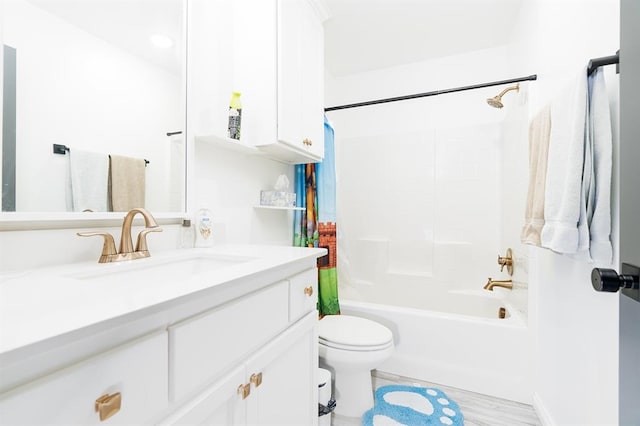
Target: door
[629,362]
[283,378]
[222,404]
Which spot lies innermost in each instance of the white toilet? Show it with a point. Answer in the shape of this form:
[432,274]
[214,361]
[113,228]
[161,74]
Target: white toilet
[351,347]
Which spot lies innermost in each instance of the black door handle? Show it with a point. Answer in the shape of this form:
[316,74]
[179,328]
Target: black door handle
[608,280]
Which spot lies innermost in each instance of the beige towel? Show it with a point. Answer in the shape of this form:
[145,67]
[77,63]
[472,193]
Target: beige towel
[539,132]
[126,183]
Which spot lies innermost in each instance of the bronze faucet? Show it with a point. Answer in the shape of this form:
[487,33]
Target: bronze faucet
[109,253]
[491,283]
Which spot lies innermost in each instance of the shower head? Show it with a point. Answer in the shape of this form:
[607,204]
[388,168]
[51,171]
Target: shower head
[496,101]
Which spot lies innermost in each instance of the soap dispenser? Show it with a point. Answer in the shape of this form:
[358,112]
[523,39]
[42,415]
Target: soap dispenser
[204,228]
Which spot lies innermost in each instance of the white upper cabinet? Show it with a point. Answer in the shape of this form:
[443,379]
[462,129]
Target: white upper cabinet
[272,52]
[300,77]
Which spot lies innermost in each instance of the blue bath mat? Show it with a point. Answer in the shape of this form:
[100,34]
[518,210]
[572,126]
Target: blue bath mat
[412,406]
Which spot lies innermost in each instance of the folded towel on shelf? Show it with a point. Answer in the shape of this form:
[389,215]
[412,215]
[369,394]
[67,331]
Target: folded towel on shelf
[599,208]
[539,131]
[88,178]
[564,189]
[126,183]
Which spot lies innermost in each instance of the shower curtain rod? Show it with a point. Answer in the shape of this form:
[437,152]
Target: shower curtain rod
[434,93]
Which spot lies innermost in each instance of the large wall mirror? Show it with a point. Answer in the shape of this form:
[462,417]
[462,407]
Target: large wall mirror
[100,79]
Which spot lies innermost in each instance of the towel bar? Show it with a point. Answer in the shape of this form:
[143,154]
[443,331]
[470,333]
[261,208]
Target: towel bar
[63,149]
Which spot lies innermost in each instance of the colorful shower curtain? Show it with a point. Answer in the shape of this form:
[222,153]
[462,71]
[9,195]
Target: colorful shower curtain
[316,225]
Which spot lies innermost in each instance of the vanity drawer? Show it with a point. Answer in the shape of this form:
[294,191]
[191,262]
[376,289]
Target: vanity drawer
[303,294]
[137,370]
[209,344]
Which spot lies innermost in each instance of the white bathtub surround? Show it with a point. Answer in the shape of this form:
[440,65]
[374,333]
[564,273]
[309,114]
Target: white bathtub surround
[433,188]
[474,350]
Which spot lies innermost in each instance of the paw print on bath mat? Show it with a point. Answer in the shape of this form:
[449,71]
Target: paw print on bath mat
[412,406]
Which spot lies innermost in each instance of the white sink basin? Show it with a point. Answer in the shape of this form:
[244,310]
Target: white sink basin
[159,270]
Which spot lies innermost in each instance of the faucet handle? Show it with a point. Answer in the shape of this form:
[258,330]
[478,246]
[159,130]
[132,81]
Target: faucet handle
[108,248]
[141,243]
[507,261]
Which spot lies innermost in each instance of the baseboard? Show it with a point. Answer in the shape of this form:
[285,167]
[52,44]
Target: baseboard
[541,411]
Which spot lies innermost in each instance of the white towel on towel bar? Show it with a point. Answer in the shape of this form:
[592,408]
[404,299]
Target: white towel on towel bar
[564,191]
[89,175]
[599,208]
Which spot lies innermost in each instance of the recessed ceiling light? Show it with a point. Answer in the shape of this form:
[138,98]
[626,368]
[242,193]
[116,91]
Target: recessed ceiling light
[161,41]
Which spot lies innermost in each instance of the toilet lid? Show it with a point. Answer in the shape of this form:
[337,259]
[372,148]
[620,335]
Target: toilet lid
[349,331]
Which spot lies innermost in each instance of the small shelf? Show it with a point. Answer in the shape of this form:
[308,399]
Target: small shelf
[279,151]
[278,208]
[229,144]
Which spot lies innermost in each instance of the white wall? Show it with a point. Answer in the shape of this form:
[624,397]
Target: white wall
[420,182]
[81,91]
[229,184]
[576,328]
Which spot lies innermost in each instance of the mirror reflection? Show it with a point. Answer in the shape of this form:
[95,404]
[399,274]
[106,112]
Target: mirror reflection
[103,81]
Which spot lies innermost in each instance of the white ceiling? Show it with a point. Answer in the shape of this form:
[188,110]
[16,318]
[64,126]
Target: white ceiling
[127,24]
[362,35]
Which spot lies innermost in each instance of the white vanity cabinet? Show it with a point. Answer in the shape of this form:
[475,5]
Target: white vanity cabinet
[252,371]
[274,386]
[239,347]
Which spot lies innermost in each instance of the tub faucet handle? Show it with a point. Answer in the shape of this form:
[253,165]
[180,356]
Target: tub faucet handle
[507,261]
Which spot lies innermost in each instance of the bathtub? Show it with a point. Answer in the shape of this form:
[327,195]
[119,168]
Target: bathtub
[458,341]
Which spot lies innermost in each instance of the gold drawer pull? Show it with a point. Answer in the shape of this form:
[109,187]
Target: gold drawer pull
[244,390]
[256,379]
[108,405]
[307,142]
[308,290]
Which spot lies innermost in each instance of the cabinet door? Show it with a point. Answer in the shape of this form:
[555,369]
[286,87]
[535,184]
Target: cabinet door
[286,392]
[300,77]
[289,75]
[312,75]
[206,346]
[220,404]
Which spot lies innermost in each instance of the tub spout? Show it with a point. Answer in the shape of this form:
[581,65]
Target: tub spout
[491,283]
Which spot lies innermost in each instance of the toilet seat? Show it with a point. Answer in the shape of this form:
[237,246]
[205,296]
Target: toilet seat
[353,333]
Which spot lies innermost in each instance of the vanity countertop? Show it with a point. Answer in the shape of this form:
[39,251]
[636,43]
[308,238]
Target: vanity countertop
[43,308]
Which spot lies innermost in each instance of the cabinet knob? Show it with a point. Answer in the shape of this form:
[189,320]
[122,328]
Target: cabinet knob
[108,405]
[244,390]
[307,142]
[256,379]
[308,290]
